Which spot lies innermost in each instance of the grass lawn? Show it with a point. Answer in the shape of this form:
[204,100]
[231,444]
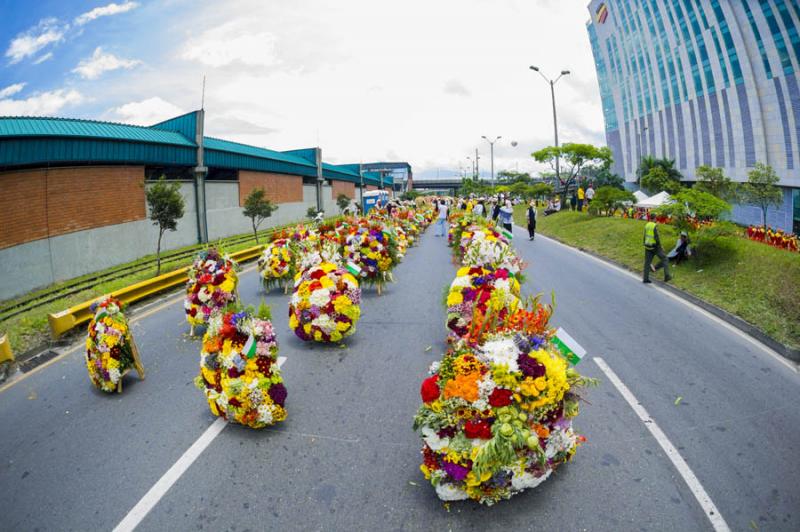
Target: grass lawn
[754,281]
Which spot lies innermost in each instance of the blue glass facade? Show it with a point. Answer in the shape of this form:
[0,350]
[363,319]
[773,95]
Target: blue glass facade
[702,82]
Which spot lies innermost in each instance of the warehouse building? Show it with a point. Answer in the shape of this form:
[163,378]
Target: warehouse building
[72,192]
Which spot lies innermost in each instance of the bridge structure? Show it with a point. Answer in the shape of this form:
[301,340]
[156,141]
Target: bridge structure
[447,185]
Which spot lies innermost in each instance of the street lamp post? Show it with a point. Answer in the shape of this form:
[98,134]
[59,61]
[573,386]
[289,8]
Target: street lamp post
[491,149]
[552,83]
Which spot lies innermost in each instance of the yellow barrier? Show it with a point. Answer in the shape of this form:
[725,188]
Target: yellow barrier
[61,322]
[5,350]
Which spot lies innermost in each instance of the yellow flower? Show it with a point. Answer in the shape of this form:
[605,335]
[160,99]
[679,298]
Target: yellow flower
[293,323]
[454,298]
[326,282]
[341,303]
[327,267]
[425,471]
[278,413]
[229,284]
[227,346]
[462,271]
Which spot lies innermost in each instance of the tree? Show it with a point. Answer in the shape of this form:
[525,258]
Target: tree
[342,201]
[603,177]
[510,176]
[520,189]
[657,179]
[608,199]
[690,205]
[715,182]
[649,162]
[760,189]
[166,207]
[541,190]
[572,158]
[410,195]
[258,208]
[312,212]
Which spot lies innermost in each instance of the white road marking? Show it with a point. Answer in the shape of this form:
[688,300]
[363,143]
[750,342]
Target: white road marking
[710,509]
[716,319]
[160,488]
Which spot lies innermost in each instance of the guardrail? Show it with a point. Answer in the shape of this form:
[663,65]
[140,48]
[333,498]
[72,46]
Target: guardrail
[61,322]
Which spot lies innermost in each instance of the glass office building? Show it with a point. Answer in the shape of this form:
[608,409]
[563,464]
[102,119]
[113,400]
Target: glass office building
[703,82]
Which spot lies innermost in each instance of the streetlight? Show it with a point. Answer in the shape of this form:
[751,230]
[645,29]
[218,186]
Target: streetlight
[491,148]
[552,83]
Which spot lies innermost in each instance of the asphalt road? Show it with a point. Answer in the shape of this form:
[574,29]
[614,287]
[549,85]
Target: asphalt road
[346,458]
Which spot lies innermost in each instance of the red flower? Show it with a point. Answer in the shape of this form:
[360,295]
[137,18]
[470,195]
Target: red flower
[478,429]
[318,274]
[501,273]
[430,389]
[500,397]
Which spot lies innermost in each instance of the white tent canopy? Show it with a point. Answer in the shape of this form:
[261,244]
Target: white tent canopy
[639,195]
[652,202]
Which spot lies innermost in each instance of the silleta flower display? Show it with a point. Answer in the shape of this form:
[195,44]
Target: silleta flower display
[275,264]
[478,291]
[110,349]
[374,250]
[211,287]
[325,304]
[239,370]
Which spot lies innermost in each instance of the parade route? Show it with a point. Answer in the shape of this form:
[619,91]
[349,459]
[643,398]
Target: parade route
[74,458]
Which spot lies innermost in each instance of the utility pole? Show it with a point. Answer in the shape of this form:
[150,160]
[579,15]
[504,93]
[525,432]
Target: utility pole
[552,83]
[491,148]
[477,168]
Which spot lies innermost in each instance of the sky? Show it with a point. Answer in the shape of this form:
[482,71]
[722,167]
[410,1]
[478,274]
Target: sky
[418,81]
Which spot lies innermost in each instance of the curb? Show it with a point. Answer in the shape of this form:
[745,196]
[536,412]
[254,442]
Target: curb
[791,354]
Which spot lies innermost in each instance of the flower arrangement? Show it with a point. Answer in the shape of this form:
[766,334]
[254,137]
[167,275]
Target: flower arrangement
[374,250]
[110,349]
[477,292]
[211,287]
[497,410]
[239,370]
[325,304]
[486,247]
[276,264]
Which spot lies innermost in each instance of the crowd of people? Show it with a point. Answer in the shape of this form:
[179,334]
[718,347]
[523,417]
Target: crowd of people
[774,237]
[499,208]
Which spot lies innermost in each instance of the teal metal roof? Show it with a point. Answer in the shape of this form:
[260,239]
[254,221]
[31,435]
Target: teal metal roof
[212,143]
[70,127]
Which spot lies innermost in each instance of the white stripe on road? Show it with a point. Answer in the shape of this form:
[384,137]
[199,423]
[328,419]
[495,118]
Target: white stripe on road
[160,488]
[710,509]
[700,310]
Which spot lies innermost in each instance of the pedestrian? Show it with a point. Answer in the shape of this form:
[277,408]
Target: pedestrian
[589,195]
[477,210]
[441,221]
[506,214]
[532,219]
[573,204]
[652,248]
[680,252]
[580,198]
[496,210]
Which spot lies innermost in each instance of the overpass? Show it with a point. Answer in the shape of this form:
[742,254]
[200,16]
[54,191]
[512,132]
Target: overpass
[450,185]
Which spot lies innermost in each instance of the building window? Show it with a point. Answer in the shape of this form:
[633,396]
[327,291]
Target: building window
[172,173]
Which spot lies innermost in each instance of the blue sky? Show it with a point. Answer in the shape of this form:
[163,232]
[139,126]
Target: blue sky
[419,81]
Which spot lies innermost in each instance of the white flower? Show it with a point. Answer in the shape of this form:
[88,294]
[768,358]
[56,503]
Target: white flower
[325,323]
[320,297]
[462,282]
[264,414]
[524,480]
[433,440]
[560,440]
[434,367]
[203,295]
[113,375]
[450,492]
[503,285]
[502,351]
[486,386]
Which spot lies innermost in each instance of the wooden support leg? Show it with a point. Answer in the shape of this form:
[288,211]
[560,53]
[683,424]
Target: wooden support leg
[380,285]
[119,384]
[137,360]
[191,330]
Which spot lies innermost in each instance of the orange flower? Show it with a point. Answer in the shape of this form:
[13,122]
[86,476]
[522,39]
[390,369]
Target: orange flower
[464,386]
[541,430]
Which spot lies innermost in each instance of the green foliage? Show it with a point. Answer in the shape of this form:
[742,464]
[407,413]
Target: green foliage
[166,207]
[603,177]
[608,199]
[264,311]
[658,179]
[760,189]
[541,190]
[258,208]
[692,203]
[342,201]
[312,212]
[410,195]
[521,189]
[573,158]
[715,182]
[509,177]
[649,162]
[475,186]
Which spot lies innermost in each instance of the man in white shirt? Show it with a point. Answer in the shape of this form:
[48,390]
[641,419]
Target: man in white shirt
[442,219]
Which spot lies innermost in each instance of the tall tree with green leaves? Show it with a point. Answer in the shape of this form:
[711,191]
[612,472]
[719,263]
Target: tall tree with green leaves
[657,179]
[760,189]
[258,208]
[572,158]
[691,203]
[649,162]
[715,182]
[166,206]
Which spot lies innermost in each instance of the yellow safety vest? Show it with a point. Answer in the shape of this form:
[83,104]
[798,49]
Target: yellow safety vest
[650,234]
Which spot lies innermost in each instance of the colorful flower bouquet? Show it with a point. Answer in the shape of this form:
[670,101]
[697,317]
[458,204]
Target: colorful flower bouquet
[476,292]
[374,251]
[486,247]
[211,286]
[276,265]
[497,411]
[325,304]
[110,349]
[239,370]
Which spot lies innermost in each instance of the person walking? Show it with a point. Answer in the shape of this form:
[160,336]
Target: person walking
[532,219]
[652,248]
[580,198]
[589,195]
[477,210]
[441,220]
[506,214]
[496,210]
[573,204]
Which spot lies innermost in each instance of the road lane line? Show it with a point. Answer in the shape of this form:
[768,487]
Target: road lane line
[716,319]
[160,488]
[147,310]
[710,509]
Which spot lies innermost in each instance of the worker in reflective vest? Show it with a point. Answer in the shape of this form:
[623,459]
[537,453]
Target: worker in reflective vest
[652,248]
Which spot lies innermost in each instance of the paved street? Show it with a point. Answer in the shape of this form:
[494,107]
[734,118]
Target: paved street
[346,458]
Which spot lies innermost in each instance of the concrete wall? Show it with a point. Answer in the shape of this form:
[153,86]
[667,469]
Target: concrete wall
[41,262]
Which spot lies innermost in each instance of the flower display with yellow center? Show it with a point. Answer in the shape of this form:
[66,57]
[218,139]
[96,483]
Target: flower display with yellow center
[109,349]
[324,306]
[212,285]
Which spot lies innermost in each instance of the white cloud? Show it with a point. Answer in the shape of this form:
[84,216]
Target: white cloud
[93,67]
[43,58]
[105,11]
[456,88]
[42,103]
[26,44]
[11,90]
[236,41]
[145,112]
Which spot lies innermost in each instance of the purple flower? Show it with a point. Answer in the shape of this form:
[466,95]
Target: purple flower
[456,471]
[530,367]
[277,393]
